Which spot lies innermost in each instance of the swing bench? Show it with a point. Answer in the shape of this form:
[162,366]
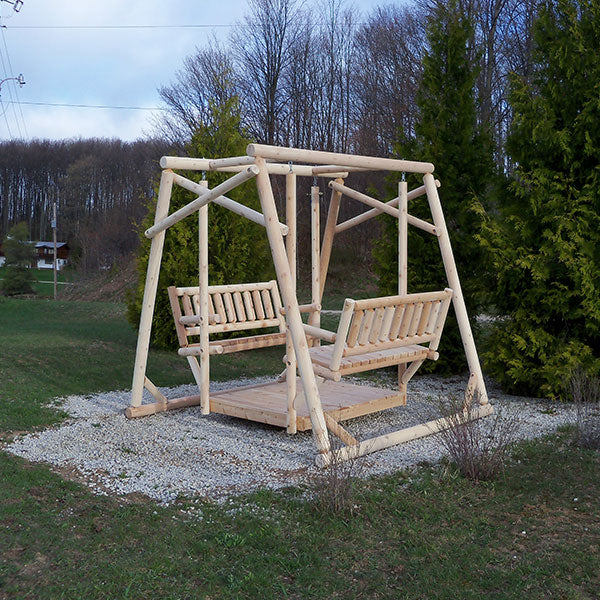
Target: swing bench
[382,332]
[237,307]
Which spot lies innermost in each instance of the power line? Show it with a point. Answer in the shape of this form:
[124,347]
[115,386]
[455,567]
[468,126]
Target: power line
[107,106]
[16,89]
[204,26]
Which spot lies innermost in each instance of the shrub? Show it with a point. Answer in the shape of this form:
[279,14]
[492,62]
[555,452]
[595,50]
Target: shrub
[585,391]
[544,243]
[19,253]
[478,447]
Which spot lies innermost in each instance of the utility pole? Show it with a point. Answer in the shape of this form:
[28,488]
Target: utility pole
[54,242]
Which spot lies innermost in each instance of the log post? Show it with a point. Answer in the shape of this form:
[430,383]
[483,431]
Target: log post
[203,288]
[402,264]
[152,274]
[294,320]
[314,318]
[454,282]
[291,245]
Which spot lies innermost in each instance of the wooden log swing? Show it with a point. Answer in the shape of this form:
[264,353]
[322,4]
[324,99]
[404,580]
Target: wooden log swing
[402,330]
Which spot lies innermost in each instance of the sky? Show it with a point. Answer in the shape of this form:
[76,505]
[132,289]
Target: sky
[64,63]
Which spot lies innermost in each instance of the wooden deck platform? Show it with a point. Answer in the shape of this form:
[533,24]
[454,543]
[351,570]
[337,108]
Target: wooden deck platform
[267,403]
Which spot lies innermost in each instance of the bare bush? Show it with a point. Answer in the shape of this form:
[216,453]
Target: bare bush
[334,483]
[478,447]
[585,391]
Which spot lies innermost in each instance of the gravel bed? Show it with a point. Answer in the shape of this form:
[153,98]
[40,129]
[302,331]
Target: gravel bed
[181,453]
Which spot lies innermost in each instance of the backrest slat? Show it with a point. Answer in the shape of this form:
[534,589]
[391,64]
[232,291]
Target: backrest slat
[365,330]
[357,317]
[258,305]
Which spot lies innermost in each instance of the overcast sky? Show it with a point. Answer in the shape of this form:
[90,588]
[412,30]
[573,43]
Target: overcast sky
[116,67]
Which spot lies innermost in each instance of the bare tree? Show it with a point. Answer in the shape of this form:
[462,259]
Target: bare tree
[207,77]
[262,47]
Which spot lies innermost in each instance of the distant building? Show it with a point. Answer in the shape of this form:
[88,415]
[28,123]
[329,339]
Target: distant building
[45,255]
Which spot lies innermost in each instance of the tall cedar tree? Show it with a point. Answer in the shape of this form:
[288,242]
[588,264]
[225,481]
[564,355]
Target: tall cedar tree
[238,248]
[545,247]
[447,134]
[18,276]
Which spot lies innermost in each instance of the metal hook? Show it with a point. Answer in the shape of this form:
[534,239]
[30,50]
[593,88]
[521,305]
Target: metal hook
[290,163]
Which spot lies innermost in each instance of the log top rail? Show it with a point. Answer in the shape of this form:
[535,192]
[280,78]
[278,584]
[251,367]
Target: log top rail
[239,163]
[319,157]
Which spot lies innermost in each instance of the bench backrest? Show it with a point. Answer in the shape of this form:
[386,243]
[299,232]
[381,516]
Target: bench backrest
[232,307]
[389,322]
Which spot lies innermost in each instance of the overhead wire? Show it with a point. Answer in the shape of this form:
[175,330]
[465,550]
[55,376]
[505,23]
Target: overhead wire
[182,26]
[107,106]
[12,74]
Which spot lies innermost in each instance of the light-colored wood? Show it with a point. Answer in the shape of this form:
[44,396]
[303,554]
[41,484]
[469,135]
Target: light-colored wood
[397,437]
[204,304]
[365,330]
[339,431]
[328,169]
[355,326]
[374,212]
[408,373]
[294,320]
[229,288]
[150,287]
[226,202]
[328,235]
[382,206]
[403,238]
[344,160]
[156,393]
[304,308]
[314,318]
[197,350]
[177,316]
[156,407]
[458,300]
[319,333]
[383,301]
[201,201]
[367,361]
[203,164]
[233,161]
[387,344]
[342,334]
[291,249]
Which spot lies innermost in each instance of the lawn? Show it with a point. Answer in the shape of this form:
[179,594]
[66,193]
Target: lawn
[535,533]
[43,280]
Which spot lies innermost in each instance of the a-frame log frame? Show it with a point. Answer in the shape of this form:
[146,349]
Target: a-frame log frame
[336,167]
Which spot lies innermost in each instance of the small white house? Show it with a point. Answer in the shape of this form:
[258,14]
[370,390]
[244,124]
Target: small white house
[45,255]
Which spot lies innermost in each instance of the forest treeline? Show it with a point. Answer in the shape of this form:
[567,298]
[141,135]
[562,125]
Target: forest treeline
[101,188]
[311,75]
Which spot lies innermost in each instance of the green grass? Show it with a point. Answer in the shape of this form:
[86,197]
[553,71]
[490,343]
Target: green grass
[52,349]
[43,280]
[422,534]
[434,535]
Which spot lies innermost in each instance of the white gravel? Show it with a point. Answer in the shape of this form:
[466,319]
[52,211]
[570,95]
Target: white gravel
[181,453]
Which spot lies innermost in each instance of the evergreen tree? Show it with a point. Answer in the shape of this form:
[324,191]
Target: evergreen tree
[447,134]
[19,254]
[238,248]
[545,247]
